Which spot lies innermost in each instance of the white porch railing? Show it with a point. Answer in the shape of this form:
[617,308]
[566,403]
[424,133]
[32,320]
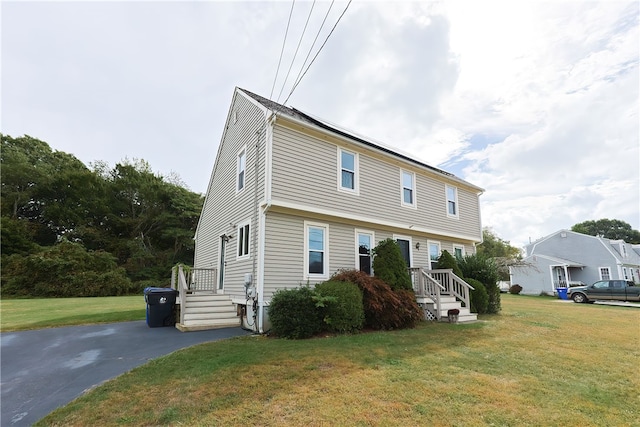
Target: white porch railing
[436,283]
[567,283]
[190,280]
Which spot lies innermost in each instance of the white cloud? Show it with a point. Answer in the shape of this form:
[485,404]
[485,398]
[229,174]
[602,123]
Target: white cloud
[535,102]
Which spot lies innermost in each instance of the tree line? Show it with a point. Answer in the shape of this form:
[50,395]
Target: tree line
[72,230]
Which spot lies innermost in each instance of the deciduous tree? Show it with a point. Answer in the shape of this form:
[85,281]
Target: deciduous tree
[614,229]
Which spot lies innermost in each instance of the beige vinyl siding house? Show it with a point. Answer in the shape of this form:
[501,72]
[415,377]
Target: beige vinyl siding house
[292,199]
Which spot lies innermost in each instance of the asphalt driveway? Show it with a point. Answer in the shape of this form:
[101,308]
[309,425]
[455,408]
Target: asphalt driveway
[47,368]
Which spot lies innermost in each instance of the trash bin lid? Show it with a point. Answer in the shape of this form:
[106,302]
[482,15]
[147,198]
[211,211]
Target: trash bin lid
[153,290]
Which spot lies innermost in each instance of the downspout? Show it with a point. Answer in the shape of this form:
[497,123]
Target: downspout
[263,219]
[255,220]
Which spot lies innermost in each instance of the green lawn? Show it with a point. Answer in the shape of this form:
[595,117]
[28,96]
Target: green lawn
[22,314]
[541,362]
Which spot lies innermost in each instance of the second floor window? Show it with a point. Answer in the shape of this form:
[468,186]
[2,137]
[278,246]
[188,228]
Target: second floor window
[348,171]
[408,189]
[452,201]
[242,165]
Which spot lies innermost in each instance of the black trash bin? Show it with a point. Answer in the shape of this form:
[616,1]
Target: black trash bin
[160,306]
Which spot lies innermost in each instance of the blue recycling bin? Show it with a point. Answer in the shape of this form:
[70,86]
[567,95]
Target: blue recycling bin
[562,293]
[160,306]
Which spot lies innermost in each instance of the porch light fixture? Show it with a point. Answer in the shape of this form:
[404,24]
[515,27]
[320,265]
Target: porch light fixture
[418,246]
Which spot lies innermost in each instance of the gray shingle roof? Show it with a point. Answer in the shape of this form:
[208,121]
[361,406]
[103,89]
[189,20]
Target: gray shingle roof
[299,115]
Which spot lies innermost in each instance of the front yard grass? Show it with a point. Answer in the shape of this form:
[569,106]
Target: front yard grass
[540,362]
[23,314]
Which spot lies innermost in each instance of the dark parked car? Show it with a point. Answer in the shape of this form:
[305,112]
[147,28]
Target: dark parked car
[618,290]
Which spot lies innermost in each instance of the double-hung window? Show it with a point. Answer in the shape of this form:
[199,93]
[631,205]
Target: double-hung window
[364,242]
[458,251]
[605,273]
[408,188]
[434,254]
[316,258]
[452,201]
[241,169]
[244,232]
[348,171]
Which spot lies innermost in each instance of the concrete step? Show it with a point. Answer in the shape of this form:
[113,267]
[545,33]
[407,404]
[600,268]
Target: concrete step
[463,311]
[462,318]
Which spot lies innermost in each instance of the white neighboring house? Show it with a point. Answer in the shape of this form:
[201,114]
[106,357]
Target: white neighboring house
[293,199]
[566,258]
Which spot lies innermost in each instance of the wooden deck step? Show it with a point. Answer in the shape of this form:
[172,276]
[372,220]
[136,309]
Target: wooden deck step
[208,311]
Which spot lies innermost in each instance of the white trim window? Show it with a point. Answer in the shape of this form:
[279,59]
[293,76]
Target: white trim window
[434,253]
[244,240]
[364,248]
[316,257]
[625,275]
[241,166]
[458,251]
[408,188]
[452,201]
[347,171]
[605,273]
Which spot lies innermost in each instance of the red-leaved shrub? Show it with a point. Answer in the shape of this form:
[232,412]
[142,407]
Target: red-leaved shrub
[383,308]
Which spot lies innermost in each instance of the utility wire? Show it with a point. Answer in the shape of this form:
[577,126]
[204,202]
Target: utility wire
[296,52]
[282,51]
[317,53]
[326,15]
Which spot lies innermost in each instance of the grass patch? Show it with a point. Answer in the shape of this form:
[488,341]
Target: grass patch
[24,314]
[540,362]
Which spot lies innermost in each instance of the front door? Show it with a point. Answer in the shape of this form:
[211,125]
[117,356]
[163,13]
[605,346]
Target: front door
[405,249]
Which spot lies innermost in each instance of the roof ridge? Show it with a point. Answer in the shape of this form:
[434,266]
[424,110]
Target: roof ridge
[337,129]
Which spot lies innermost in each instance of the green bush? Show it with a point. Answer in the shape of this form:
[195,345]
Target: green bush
[485,270]
[383,308]
[343,311]
[447,261]
[294,313]
[479,297]
[65,270]
[515,289]
[390,267]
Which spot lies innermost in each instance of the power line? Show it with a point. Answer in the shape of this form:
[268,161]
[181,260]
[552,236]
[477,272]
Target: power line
[282,51]
[317,53]
[326,15]
[296,52]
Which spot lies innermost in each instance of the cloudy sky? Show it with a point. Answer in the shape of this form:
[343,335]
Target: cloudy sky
[537,102]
